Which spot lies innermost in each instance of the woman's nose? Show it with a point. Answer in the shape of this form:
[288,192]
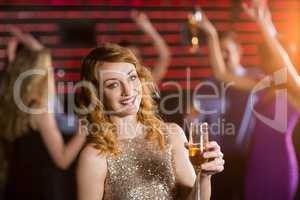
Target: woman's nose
[127,89]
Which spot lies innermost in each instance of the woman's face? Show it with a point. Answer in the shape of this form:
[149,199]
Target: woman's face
[231,53]
[120,88]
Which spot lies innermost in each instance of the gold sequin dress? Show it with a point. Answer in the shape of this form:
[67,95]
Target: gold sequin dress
[141,172]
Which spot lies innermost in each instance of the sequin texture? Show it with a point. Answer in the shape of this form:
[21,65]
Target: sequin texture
[141,172]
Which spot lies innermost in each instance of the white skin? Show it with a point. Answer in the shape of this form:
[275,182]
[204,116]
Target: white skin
[120,85]
[62,154]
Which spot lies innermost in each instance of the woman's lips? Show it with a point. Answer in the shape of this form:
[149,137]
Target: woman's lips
[128,101]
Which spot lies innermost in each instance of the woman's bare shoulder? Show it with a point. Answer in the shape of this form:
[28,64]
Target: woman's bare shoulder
[175,133]
[92,162]
[91,173]
[91,155]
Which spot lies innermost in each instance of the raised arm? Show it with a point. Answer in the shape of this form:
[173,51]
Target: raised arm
[11,49]
[259,12]
[25,38]
[62,154]
[91,174]
[164,55]
[217,60]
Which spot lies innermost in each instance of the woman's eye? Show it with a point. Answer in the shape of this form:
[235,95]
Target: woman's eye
[133,77]
[113,85]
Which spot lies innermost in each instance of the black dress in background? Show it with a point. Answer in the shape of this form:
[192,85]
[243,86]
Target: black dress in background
[32,174]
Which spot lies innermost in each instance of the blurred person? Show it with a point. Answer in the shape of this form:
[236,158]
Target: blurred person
[227,109]
[11,47]
[133,154]
[35,144]
[271,164]
[164,56]
[273,169]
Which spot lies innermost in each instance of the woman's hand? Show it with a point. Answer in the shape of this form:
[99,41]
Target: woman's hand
[215,156]
[204,24]
[25,38]
[142,21]
[258,10]
[216,162]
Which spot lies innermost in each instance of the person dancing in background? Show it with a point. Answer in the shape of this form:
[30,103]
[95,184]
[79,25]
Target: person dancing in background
[164,55]
[10,55]
[274,174]
[266,176]
[35,144]
[132,154]
[228,107]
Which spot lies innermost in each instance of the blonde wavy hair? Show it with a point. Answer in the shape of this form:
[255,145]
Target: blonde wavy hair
[105,138]
[17,122]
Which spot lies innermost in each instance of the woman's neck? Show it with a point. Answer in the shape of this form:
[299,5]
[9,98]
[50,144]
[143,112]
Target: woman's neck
[128,127]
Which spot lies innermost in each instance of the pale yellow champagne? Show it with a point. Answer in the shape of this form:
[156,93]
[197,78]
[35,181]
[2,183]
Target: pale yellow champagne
[198,141]
[196,156]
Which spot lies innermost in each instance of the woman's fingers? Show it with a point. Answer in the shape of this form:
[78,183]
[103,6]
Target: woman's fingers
[213,146]
[249,11]
[216,165]
[213,154]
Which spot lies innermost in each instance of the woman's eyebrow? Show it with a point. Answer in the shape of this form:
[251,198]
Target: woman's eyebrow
[130,71]
[109,79]
[116,78]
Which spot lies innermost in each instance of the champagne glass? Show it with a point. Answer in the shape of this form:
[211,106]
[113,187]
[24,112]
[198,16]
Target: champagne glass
[198,139]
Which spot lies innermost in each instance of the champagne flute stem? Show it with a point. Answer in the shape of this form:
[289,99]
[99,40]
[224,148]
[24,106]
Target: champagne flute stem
[197,185]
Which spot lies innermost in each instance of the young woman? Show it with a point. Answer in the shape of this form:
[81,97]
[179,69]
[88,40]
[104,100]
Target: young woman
[263,180]
[35,145]
[132,154]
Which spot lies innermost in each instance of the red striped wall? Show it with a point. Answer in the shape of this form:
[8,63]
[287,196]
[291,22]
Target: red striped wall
[113,24]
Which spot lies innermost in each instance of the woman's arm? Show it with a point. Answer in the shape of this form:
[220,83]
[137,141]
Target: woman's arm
[259,12]
[216,58]
[163,62]
[62,154]
[25,38]
[91,174]
[184,171]
[11,49]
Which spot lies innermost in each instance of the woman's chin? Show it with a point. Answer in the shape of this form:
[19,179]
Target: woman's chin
[128,110]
